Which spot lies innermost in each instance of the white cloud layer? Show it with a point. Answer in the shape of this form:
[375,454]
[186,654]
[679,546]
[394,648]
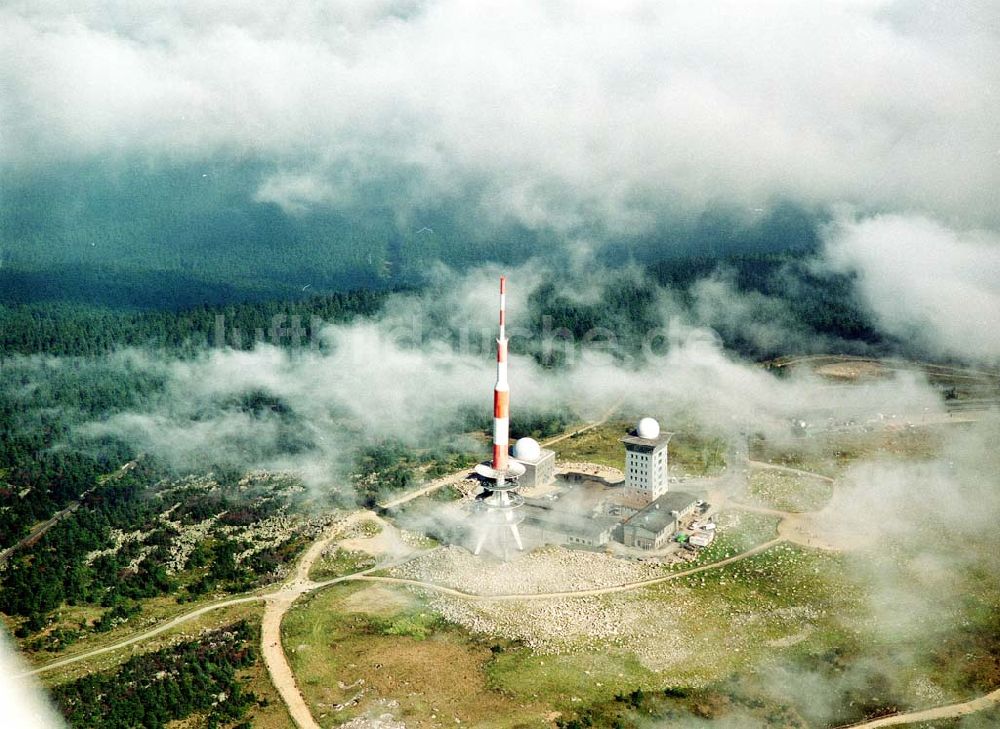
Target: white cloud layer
[553,114]
[381,379]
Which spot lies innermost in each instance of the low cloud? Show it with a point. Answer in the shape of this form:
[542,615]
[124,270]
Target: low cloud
[385,378]
[925,542]
[925,282]
[303,411]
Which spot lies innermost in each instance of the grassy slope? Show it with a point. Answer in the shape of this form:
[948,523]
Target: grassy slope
[788,491]
[730,619]
[689,454]
[387,639]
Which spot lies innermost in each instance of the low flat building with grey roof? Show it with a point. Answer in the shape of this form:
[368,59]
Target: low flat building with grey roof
[653,527]
[550,525]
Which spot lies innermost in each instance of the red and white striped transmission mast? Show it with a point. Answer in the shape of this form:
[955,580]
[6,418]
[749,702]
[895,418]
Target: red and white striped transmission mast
[499,512]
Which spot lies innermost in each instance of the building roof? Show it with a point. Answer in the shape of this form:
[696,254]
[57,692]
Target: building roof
[657,515]
[645,443]
[702,539]
[566,522]
[543,455]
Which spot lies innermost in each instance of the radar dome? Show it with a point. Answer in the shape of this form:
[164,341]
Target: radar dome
[648,428]
[527,449]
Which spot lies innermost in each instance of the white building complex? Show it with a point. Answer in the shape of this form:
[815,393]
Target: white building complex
[539,463]
[645,463]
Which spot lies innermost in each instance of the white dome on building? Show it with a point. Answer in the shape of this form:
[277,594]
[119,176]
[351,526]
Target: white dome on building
[527,449]
[648,428]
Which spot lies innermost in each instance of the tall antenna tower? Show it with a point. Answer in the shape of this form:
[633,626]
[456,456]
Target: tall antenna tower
[499,510]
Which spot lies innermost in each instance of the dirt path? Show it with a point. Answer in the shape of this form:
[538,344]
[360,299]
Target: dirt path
[589,426]
[297,585]
[140,637]
[429,488]
[274,612]
[39,530]
[278,603]
[950,711]
[277,663]
[564,436]
[887,363]
[789,469]
[807,528]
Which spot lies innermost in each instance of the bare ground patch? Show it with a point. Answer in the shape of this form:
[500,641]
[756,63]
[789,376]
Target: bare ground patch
[378,600]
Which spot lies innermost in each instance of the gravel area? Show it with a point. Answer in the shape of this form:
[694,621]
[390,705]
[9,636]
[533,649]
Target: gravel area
[568,625]
[551,569]
[679,627]
[671,628]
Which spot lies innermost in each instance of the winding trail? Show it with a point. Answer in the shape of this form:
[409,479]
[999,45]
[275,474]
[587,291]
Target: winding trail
[277,663]
[429,488]
[39,530]
[144,636]
[298,585]
[279,602]
[605,416]
[950,711]
[789,469]
[277,605]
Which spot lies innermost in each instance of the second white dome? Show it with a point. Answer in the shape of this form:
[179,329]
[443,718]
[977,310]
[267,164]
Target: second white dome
[527,449]
[648,428]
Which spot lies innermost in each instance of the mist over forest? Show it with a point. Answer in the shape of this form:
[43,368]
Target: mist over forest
[363,149]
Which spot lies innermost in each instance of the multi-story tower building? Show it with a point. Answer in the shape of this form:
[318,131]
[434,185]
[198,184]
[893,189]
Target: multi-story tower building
[646,473]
